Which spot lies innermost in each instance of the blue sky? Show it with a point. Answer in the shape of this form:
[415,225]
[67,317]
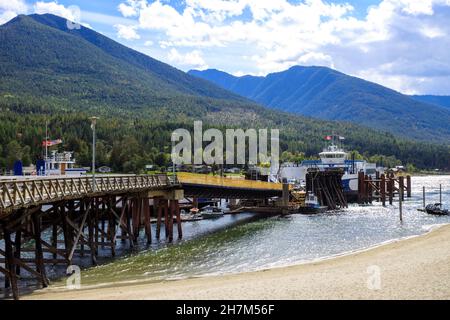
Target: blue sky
[402,44]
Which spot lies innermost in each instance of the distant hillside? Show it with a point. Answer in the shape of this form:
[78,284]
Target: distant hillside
[41,56]
[51,73]
[328,94]
[442,101]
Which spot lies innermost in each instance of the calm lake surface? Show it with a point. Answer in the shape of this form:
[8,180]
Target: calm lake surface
[239,243]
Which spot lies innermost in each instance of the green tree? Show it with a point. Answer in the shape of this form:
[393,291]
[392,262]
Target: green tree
[13,153]
[162,160]
[26,157]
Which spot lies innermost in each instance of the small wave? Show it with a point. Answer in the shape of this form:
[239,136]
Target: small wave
[432,227]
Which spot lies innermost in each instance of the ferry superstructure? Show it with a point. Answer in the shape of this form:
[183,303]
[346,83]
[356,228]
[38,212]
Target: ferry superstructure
[331,158]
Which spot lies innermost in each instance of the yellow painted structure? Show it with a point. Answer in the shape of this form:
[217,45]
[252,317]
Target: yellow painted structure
[231,182]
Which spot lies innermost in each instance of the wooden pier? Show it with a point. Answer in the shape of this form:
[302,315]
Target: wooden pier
[327,186]
[384,188]
[80,217]
[82,214]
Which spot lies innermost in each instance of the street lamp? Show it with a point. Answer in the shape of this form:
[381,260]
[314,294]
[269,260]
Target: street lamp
[93,123]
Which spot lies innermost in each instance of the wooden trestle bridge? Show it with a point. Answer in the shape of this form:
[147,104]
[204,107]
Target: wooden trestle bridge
[80,214]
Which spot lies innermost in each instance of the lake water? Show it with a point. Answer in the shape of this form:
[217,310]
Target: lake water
[242,243]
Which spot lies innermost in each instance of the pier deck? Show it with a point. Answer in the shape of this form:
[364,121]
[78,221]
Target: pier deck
[27,192]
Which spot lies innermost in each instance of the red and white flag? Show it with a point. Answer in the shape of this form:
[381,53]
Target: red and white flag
[328,138]
[50,143]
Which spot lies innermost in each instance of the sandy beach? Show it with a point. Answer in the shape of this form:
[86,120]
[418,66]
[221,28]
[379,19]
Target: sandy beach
[415,268]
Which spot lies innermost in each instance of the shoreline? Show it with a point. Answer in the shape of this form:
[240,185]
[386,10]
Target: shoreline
[343,276]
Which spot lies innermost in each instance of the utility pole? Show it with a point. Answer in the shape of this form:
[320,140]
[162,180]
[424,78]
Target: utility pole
[93,123]
[46,148]
[46,140]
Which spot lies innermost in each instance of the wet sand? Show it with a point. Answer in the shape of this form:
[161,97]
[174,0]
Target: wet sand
[416,268]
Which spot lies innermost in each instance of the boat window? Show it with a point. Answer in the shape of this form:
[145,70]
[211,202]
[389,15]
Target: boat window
[334,156]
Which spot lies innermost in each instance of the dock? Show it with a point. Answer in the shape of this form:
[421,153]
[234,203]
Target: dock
[83,213]
[384,188]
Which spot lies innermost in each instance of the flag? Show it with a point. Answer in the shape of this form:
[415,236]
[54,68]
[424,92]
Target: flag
[328,138]
[50,143]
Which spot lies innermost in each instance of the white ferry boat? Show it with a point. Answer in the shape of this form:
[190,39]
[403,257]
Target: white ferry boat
[62,163]
[332,157]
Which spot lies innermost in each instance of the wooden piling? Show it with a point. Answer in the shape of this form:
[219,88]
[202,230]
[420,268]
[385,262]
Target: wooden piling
[400,203]
[383,189]
[55,234]
[147,221]
[401,187]
[171,214]
[96,227]
[391,189]
[11,280]
[166,218]
[128,218]
[159,208]
[123,220]
[39,256]
[17,248]
[70,211]
[66,232]
[178,215]
[112,225]
[82,208]
[92,245]
[363,189]
[377,185]
[285,194]
[137,204]
[369,189]
[102,218]
[408,186]
[423,194]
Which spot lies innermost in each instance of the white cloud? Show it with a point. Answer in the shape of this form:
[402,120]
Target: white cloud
[126,32]
[71,13]
[126,10]
[11,8]
[131,7]
[13,5]
[399,43]
[432,32]
[191,59]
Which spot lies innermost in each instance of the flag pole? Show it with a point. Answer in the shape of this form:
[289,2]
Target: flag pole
[46,140]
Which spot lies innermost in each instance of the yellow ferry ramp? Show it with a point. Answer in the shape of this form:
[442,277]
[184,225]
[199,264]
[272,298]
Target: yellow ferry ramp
[229,182]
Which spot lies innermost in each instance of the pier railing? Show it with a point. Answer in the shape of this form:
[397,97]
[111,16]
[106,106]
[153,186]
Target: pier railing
[25,192]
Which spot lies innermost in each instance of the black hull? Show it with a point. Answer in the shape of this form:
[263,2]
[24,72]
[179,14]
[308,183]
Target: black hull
[307,210]
[436,210]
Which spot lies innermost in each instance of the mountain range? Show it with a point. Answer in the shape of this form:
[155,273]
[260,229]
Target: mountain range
[41,55]
[328,94]
[49,72]
[442,101]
